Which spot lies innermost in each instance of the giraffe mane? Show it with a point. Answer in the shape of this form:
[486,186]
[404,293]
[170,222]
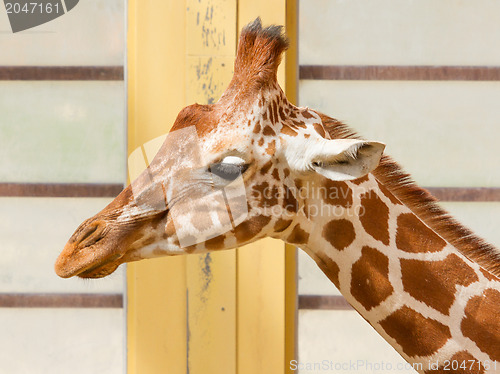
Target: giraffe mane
[424,205]
[259,53]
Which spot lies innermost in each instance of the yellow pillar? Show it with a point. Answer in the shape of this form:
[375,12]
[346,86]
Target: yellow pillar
[156,296]
[211,278]
[227,312]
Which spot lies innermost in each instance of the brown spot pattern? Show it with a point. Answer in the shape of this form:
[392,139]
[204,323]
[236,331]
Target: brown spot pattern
[319,129]
[266,167]
[482,322]
[282,224]
[298,184]
[389,194]
[282,113]
[215,243]
[275,112]
[271,148]
[290,203]
[415,237]
[370,283]
[265,195]
[416,334]
[169,228]
[460,363]
[298,236]
[276,174]
[336,193]
[423,280]
[305,113]
[248,230]
[287,130]
[299,124]
[361,180]
[339,233]
[374,217]
[330,268]
[257,128]
[268,131]
[271,114]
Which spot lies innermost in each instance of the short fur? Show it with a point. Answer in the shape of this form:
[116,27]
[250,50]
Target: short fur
[424,205]
[259,53]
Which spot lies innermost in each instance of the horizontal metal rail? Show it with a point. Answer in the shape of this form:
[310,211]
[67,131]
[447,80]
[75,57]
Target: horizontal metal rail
[61,73]
[323,302]
[395,72]
[60,189]
[35,300]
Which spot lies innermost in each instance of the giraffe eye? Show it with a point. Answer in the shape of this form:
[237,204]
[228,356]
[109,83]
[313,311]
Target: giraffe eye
[227,171]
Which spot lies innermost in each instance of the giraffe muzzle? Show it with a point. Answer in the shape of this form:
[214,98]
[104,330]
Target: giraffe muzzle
[86,255]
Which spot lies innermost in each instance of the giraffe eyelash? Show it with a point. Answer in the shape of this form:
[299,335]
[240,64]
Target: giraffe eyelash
[227,171]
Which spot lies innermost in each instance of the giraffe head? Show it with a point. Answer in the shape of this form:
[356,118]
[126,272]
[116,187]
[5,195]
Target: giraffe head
[225,175]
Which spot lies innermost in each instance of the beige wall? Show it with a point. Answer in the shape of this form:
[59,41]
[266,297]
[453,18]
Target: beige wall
[92,33]
[59,132]
[399,32]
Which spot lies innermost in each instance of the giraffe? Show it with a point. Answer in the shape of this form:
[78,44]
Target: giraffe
[425,283]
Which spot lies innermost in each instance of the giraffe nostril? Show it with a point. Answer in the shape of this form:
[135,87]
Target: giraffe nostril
[89,231]
[91,234]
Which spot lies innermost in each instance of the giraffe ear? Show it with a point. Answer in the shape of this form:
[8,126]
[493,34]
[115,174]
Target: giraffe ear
[346,159]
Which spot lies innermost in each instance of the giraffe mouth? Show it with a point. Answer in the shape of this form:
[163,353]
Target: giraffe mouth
[67,267]
[101,269]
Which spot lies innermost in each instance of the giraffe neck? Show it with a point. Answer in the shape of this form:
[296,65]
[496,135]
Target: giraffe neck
[428,300]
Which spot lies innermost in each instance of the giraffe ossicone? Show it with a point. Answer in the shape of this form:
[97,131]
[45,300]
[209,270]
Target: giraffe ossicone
[254,165]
